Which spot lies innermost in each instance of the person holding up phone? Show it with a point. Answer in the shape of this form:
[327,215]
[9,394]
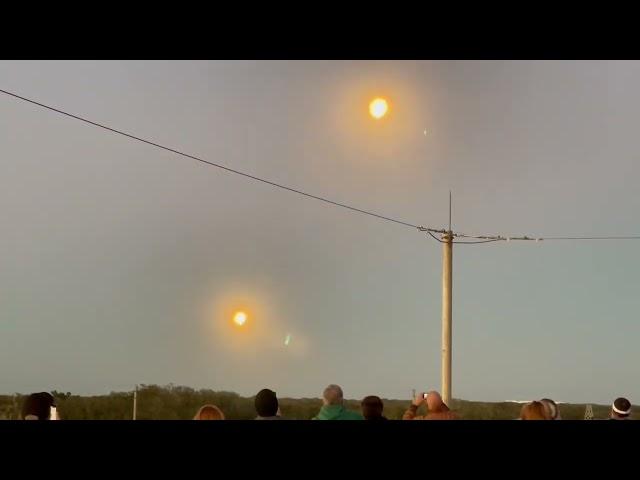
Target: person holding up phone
[437,409]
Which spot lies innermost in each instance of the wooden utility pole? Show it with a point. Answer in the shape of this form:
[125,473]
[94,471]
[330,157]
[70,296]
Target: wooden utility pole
[447,264]
[135,402]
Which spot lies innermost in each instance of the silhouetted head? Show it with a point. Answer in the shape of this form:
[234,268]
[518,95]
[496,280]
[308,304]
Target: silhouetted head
[621,409]
[209,412]
[37,406]
[533,411]
[266,403]
[332,395]
[372,407]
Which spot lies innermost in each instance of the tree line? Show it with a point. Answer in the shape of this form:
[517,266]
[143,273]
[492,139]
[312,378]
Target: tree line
[170,402]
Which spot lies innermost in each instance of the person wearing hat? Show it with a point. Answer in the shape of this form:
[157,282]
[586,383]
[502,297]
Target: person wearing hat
[266,403]
[551,409]
[621,409]
[38,406]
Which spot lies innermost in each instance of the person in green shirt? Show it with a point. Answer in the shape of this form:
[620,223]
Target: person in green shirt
[333,408]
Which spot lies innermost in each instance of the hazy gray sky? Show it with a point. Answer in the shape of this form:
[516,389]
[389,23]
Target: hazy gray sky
[122,264]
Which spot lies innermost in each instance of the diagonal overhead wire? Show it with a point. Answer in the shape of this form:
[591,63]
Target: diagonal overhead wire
[212,164]
[471,239]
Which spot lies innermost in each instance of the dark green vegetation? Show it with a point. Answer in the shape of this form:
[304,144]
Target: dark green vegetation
[181,403]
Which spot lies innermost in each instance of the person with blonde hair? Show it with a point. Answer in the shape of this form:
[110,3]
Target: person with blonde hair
[209,412]
[533,411]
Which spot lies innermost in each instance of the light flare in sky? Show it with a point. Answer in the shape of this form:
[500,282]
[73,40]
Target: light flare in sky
[378,108]
[240,318]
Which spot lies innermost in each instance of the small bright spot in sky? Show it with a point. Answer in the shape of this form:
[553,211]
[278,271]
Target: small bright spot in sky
[287,339]
[240,318]
[378,108]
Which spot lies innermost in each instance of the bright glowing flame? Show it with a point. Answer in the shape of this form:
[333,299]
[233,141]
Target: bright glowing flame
[378,108]
[240,318]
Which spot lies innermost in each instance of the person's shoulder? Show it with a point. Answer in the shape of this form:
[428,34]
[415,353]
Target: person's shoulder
[354,415]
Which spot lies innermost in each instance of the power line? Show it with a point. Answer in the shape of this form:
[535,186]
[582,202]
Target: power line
[478,239]
[471,243]
[228,169]
[630,237]
[461,243]
[539,239]
[496,237]
[434,237]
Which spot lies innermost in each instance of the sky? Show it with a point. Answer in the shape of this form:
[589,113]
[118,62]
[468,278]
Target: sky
[122,264]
